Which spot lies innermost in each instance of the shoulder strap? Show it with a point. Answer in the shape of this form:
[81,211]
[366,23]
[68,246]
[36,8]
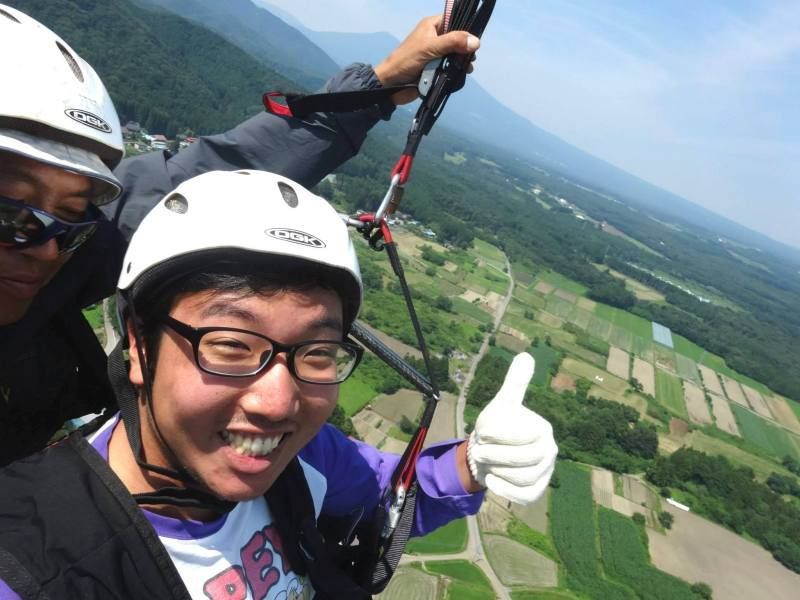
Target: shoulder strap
[292,508]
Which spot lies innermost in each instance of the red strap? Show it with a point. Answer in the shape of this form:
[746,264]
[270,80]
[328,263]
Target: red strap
[407,476]
[276,108]
[403,168]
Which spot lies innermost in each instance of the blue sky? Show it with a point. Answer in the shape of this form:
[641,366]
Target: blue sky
[700,98]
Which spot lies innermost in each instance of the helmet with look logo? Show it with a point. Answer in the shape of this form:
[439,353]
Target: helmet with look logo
[242,215]
[54,108]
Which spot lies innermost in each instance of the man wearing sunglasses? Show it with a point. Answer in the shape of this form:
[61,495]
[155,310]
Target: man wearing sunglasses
[210,481]
[59,141]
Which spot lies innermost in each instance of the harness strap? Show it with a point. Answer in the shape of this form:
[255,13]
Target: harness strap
[301,105]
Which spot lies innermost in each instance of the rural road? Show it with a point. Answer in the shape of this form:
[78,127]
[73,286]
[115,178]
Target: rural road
[474,550]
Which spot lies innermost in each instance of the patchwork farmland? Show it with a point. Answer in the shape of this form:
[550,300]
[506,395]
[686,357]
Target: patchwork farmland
[696,404]
[618,362]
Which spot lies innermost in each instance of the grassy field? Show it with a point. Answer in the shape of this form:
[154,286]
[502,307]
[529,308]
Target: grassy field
[771,439]
[468,582]
[670,393]
[633,323]
[562,282]
[687,368]
[355,394]
[545,357]
[687,348]
[626,560]
[449,539]
[762,467]
[543,595]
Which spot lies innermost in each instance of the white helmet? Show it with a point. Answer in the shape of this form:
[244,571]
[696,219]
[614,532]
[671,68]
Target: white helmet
[247,211]
[54,108]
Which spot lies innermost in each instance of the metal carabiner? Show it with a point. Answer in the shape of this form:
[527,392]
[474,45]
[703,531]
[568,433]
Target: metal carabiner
[395,191]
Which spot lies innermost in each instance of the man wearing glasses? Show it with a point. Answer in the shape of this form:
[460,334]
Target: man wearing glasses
[59,141]
[237,330]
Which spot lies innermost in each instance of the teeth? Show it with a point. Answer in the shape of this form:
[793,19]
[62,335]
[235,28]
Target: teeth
[248,445]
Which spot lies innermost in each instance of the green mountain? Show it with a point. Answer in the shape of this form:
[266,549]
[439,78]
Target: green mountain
[259,33]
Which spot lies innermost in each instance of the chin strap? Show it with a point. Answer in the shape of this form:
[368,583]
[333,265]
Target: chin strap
[189,495]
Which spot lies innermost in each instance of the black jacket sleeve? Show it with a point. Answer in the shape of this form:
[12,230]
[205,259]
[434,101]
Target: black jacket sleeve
[302,150]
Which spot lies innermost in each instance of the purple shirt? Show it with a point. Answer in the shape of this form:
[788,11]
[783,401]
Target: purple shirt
[356,474]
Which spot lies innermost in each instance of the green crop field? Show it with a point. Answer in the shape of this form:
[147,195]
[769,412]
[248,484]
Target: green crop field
[355,394]
[468,581]
[669,392]
[562,282]
[448,539]
[463,307]
[687,368]
[626,560]
[621,338]
[771,439]
[545,357]
[580,317]
[528,298]
[522,274]
[687,348]
[573,525]
[599,327]
[642,345]
[558,307]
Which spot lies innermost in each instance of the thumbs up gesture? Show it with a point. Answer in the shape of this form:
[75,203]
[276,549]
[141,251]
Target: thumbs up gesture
[511,450]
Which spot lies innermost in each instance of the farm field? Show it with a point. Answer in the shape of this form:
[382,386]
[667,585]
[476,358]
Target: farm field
[545,357]
[697,550]
[696,404]
[670,393]
[518,565]
[756,401]
[783,413]
[555,280]
[710,380]
[645,374]
[724,415]
[463,579]
[618,363]
[595,375]
[687,368]
[626,560]
[771,439]
[402,404]
[450,539]
[734,391]
[635,401]
[534,515]
[411,583]
[573,526]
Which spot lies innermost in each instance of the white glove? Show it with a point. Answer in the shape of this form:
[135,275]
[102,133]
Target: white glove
[511,450]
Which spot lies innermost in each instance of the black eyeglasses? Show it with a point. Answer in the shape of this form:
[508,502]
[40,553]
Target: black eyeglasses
[22,226]
[241,353]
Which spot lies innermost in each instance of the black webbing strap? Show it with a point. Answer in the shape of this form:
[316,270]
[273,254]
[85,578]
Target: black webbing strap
[383,567]
[300,105]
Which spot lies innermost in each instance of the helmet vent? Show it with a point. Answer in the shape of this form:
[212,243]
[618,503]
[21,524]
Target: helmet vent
[73,64]
[288,193]
[177,204]
[9,16]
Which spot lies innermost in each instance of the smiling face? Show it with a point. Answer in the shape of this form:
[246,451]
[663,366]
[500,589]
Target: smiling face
[24,272]
[236,435]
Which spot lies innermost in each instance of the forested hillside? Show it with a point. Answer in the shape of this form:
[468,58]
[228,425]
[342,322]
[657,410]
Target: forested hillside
[169,75]
[161,70]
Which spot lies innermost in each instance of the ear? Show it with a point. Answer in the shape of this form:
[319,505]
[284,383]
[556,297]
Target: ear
[135,373]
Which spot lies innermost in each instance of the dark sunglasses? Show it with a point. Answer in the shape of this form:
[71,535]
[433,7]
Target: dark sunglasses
[22,226]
